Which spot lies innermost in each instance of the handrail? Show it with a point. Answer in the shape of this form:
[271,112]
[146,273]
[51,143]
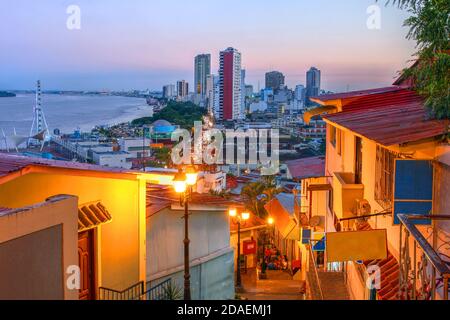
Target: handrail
[158,292]
[428,250]
[316,273]
[130,293]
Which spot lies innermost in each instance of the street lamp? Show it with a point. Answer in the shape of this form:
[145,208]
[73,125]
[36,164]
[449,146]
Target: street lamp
[182,183]
[270,222]
[239,219]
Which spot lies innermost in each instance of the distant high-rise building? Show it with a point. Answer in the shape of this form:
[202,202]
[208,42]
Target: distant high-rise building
[242,112]
[230,85]
[210,93]
[182,90]
[248,90]
[202,69]
[216,103]
[169,91]
[274,80]
[300,93]
[312,83]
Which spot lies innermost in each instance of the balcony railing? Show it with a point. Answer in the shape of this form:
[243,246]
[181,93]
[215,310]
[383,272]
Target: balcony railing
[346,192]
[424,275]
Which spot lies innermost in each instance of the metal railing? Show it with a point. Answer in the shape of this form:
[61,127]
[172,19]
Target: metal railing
[313,277]
[132,293]
[161,291]
[423,273]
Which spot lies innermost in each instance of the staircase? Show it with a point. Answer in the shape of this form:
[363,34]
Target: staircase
[333,286]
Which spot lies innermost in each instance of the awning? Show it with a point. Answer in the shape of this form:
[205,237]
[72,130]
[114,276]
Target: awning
[91,215]
[308,115]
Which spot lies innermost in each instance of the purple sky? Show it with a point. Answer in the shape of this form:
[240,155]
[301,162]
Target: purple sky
[139,44]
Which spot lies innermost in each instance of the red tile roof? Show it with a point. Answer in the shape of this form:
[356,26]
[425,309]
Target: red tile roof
[354,94]
[160,197]
[307,167]
[11,163]
[389,118]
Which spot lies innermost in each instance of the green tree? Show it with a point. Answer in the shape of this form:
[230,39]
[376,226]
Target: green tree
[257,194]
[429,27]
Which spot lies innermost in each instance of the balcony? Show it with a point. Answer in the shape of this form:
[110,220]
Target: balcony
[424,259]
[346,192]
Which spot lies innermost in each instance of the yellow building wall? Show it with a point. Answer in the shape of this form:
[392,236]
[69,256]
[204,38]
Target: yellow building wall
[120,243]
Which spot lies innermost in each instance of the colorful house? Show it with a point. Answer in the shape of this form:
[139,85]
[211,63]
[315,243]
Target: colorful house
[107,228]
[385,162]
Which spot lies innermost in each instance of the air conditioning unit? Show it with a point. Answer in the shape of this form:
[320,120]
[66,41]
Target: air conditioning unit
[363,207]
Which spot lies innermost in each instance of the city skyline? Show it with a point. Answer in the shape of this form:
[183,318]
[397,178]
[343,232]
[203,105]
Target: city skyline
[149,53]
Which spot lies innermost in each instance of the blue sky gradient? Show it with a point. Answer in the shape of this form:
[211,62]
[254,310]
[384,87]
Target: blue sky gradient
[139,44]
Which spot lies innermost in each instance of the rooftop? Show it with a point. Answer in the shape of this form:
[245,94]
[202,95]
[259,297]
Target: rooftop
[389,118]
[307,167]
[160,197]
[353,94]
[10,164]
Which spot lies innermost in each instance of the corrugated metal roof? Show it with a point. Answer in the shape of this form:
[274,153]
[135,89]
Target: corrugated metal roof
[287,201]
[389,118]
[10,163]
[354,94]
[307,167]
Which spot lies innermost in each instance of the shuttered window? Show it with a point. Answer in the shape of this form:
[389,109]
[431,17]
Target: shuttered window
[384,177]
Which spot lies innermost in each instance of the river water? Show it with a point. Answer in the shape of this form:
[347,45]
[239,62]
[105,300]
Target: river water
[68,113]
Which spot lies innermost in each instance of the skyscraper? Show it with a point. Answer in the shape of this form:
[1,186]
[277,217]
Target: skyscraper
[202,69]
[230,84]
[242,112]
[274,80]
[169,91]
[210,93]
[182,90]
[312,83]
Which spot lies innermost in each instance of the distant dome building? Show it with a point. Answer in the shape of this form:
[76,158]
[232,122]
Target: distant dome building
[162,130]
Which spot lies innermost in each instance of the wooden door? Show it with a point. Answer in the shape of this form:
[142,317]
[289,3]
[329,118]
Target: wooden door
[86,259]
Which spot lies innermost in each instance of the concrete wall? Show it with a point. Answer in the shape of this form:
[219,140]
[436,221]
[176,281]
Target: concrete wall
[210,251]
[120,244]
[212,279]
[37,245]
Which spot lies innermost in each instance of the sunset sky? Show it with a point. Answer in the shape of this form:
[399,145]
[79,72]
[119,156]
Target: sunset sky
[139,44]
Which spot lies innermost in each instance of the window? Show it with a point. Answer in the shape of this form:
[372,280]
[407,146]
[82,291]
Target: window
[333,135]
[384,177]
[339,141]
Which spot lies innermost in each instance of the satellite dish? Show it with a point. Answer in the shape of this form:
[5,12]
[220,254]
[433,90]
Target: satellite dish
[314,221]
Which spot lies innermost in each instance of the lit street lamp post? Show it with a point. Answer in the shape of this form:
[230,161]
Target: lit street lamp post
[239,219]
[183,183]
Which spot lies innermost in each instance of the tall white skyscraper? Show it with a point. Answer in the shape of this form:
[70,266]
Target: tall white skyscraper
[210,93]
[230,85]
[242,112]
